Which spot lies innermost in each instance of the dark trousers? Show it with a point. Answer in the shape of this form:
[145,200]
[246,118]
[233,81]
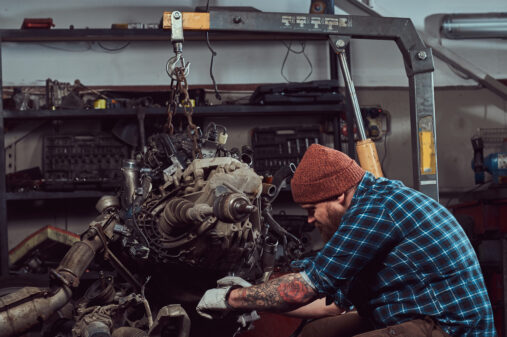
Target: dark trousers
[352,325]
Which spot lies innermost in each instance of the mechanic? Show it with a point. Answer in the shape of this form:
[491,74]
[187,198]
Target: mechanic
[395,256]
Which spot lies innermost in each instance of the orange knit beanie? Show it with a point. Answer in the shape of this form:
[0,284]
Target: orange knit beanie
[322,174]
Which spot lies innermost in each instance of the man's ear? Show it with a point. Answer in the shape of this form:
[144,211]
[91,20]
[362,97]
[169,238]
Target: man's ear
[341,198]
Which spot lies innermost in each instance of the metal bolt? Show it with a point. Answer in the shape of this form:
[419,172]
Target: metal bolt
[91,232]
[237,19]
[422,55]
[340,43]
[177,15]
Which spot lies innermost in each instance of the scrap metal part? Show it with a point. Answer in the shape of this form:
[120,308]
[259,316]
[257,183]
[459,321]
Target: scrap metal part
[29,306]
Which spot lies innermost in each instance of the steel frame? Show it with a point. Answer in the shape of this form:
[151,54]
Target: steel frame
[417,57]
[4,258]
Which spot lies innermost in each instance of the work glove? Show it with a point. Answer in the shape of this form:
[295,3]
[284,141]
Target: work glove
[214,304]
[233,281]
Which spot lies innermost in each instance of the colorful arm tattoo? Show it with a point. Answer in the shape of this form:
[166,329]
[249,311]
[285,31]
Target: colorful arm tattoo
[281,294]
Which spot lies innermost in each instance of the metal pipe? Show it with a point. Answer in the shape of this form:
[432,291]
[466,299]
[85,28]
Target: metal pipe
[268,190]
[268,257]
[474,26]
[82,253]
[131,182]
[25,308]
[75,262]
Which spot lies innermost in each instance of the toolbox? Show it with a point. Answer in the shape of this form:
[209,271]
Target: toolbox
[72,162]
[279,146]
[326,91]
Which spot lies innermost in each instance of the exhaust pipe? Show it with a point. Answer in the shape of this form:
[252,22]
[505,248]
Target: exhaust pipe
[25,308]
[29,306]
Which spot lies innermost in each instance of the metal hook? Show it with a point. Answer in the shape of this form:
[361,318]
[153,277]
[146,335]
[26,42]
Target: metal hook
[172,64]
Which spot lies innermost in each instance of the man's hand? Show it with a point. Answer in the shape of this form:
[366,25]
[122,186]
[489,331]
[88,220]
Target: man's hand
[214,304]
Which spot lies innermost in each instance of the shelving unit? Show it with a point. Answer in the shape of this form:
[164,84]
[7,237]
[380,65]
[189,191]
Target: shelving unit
[59,35]
[199,111]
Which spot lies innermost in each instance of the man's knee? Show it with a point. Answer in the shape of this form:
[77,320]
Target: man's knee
[415,328]
[346,325]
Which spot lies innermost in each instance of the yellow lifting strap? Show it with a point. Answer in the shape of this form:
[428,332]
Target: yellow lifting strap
[191,21]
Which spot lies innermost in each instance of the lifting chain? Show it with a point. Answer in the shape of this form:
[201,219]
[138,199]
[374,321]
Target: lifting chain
[179,96]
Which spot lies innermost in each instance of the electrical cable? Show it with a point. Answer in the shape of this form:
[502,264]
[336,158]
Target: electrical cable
[113,49]
[386,133]
[385,154]
[289,47]
[302,51]
[136,226]
[213,54]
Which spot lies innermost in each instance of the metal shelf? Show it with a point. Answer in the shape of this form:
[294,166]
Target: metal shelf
[43,195]
[200,111]
[88,34]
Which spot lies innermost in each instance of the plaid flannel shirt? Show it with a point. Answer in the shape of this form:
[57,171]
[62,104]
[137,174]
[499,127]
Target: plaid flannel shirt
[399,255]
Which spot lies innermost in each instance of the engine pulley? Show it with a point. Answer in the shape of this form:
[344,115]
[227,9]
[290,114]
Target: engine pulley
[233,207]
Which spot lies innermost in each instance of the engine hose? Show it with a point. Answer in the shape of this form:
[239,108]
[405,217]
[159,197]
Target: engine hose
[277,227]
[129,332]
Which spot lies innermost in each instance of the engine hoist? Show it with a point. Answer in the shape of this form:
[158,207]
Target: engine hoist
[339,29]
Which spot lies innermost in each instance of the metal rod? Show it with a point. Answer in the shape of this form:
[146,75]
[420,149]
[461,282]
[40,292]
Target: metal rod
[349,113]
[4,250]
[353,96]
[474,26]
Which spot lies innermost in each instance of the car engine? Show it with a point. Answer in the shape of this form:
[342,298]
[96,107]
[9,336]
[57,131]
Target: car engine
[189,212]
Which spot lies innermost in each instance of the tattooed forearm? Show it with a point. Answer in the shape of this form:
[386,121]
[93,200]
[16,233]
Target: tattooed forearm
[281,294]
